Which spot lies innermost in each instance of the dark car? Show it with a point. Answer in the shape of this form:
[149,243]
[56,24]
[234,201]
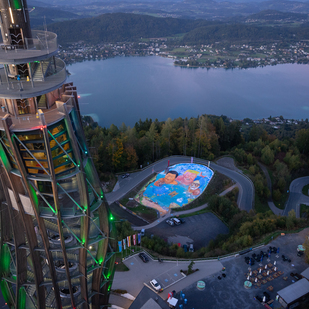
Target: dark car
[185,248]
[182,220]
[170,222]
[143,257]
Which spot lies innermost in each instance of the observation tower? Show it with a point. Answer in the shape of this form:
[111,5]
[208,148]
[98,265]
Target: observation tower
[54,221]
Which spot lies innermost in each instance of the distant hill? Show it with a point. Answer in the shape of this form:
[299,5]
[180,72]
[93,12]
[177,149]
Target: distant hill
[50,15]
[273,15]
[120,27]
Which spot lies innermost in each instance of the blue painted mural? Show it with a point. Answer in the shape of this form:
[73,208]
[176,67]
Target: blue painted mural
[175,187]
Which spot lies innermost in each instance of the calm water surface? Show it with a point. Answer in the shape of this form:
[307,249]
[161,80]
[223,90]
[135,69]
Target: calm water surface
[125,89]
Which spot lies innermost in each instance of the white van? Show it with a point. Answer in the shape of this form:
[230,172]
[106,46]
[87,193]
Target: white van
[176,221]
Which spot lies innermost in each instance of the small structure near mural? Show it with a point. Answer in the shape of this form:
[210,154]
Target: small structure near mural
[175,187]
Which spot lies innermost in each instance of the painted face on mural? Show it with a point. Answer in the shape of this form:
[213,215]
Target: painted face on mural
[169,179]
[194,185]
[187,178]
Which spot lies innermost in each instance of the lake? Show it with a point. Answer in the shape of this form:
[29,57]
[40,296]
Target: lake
[126,89]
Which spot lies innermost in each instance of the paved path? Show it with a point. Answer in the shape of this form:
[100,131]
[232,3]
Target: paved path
[296,196]
[229,163]
[272,206]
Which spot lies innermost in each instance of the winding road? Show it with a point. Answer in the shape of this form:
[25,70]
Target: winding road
[296,196]
[245,185]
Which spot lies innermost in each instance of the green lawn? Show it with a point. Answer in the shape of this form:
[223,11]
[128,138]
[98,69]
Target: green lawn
[305,190]
[147,213]
[195,213]
[179,50]
[280,204]
[303,208]
[259,205]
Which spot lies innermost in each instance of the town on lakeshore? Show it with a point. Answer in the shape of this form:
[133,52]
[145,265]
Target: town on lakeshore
[217,55]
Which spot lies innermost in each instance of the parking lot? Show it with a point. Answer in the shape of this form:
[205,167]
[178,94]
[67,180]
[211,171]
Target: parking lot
[197,229]
[229,292]
[165,273]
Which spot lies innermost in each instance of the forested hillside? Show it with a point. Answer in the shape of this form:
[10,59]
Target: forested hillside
[121,27]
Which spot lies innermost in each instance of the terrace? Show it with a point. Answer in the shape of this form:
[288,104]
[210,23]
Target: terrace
[30,122]
[43,44]
[17,89]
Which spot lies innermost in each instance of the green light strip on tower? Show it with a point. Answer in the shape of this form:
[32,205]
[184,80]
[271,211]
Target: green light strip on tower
[43,198]
[22,298]
[6,292]
[16,4]
[5,260]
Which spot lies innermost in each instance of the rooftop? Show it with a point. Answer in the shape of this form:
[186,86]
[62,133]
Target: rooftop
[295,291]
[148,299]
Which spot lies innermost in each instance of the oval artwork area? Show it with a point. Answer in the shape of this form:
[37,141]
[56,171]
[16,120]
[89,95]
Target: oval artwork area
[175,187]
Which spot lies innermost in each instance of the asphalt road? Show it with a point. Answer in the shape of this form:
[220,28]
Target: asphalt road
[296,196]
[246,189]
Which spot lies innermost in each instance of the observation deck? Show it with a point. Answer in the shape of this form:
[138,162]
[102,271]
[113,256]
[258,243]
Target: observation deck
[14,89]
[44,44]
[30,122]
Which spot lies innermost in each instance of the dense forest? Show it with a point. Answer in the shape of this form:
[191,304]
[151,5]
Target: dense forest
[121,27]
[207,137]
[284,151]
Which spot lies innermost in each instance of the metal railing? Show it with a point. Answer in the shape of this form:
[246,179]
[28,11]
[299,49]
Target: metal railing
[41,41]
[23,85]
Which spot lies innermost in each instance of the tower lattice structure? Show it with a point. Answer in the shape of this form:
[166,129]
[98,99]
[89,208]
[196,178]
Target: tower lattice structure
[55,242]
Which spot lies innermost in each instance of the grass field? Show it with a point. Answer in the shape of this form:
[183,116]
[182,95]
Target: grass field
[305,190]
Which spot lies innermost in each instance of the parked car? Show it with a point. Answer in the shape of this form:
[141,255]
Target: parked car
[182,220]
[176,221]
[185,248]
[154,283]
[170,222]
[123,176]
[142,232]
[191,248]
[127,174]
[143,257]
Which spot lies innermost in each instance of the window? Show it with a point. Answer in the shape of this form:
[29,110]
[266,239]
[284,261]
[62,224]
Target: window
[23,106]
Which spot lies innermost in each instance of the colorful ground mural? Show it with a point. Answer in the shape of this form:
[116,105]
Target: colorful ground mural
[176,187]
